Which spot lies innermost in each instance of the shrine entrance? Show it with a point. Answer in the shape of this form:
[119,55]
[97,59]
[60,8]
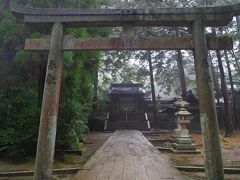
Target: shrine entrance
[127,107]
[194,18]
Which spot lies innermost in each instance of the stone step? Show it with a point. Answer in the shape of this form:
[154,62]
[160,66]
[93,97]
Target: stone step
[130,117]
[134,125]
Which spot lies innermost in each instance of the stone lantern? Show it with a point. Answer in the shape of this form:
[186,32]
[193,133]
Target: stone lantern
[182,140]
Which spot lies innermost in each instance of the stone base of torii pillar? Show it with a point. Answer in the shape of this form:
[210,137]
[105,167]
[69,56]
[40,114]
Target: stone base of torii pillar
[182,141]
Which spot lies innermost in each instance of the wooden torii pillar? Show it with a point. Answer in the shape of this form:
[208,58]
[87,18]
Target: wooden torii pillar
[208,114]
[196,18]
[50,103]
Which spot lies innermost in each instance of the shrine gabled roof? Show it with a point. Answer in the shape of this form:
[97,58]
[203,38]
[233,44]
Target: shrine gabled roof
[126,89]
[210,16]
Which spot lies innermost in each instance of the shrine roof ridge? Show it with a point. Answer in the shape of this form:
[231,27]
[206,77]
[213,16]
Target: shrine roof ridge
[126,85]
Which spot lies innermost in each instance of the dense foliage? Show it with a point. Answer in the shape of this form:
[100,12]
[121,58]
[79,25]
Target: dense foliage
[22,78]
[76,98]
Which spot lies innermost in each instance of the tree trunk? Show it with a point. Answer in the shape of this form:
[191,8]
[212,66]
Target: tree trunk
[55,3]
[238,23]
[154,108]
[237,64]
[44,4]
[181,74]
[95,97]
[216,87]
[215,78]
[233,90]
[41,81]
[229,126]
[6,4]
[228,120]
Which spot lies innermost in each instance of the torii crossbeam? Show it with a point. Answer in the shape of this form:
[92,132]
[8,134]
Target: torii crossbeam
[210,16]
[129,43]
[195,18]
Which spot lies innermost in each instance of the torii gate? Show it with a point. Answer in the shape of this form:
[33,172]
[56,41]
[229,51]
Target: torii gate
[195,18]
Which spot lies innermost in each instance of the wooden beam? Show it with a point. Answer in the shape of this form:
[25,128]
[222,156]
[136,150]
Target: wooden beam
[26,10]
[129,43]
[202,169]
[121,20]
[211,16]
[31,173]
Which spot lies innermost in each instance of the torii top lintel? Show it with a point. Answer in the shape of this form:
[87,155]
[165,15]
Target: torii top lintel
[210,16]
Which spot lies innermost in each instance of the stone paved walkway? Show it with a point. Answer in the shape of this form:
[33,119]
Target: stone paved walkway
[128,155]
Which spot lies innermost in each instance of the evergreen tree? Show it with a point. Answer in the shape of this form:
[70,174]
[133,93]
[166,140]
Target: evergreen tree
[22,78]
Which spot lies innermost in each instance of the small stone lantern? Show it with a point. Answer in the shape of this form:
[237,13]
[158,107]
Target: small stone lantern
[182,140]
